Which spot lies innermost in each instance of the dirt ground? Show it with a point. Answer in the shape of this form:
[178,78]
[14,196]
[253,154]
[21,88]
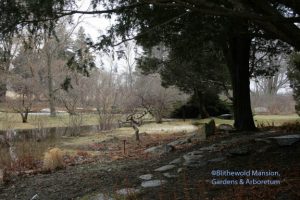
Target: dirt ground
[85,181]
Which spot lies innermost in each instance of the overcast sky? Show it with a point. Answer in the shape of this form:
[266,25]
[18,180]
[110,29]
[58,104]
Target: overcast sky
[95,26]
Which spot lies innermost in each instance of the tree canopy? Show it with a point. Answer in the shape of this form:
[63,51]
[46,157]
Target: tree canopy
[275,18]
[230,24]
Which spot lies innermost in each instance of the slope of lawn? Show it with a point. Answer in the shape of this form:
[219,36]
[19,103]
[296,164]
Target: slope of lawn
[13,120]
[261,120]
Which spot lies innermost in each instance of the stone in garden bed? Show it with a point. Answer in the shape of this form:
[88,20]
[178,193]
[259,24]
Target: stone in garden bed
[146,177]
[127,191]
[102,196]
[161,149]
[286,140]
[153,183]
[176,161]
[180,142]
[168,175]
[225,127]
[179,170]
[210,148]
[194,155]
[219,159]
[210,128]
[195,163]
[165,168]
[226,116]
[262,140]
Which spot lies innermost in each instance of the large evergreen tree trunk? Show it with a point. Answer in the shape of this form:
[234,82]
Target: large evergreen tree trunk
[239,51]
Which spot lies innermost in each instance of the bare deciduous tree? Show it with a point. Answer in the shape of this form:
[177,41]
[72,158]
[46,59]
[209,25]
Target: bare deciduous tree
[270,85]
[148,97]
[155,98]
[103,96]
[23,101]
[8,50]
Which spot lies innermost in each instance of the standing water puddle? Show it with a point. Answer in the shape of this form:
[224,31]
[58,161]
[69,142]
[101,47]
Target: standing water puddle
[30,144]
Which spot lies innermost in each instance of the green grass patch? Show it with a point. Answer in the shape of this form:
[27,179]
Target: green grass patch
[217,121]
[13,121]
[266,120]
[276,120]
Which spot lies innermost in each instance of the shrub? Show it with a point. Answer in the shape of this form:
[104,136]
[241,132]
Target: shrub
[186,111]
[53,159]
[190,110]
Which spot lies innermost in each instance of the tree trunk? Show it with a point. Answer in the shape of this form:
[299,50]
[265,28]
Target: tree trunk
[3,90]
[136,131]
[203,111]
[24,116]
[239,50]
[134,124]
[201,104]
[4,67]
[50,85]
[6,56]
[158,117]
